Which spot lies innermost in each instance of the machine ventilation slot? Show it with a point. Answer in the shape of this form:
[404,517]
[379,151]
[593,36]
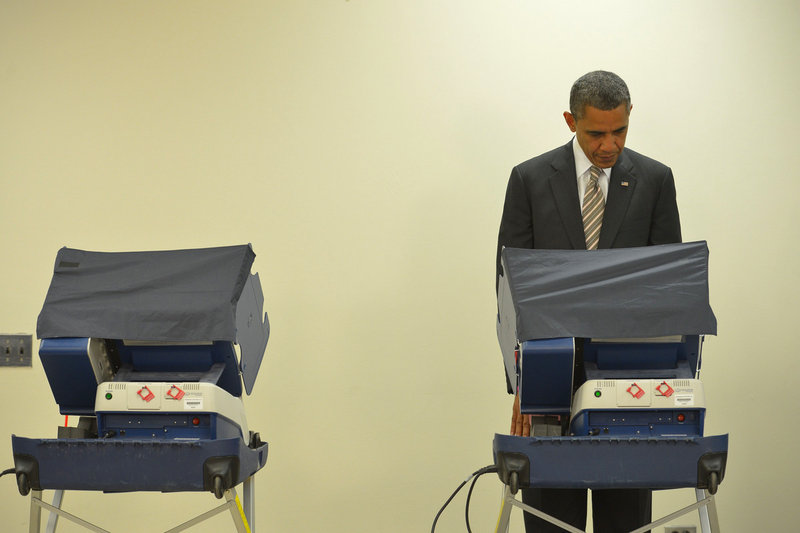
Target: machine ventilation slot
[191,386]
[117,386]
[606,384]
[682,383]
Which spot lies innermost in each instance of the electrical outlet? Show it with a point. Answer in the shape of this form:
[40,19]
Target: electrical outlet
[15,350]
[680,529]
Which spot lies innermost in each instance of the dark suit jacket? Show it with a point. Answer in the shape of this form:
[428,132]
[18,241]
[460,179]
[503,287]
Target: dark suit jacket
[542,209]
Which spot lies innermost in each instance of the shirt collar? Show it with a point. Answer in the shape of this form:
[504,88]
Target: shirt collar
[582,163]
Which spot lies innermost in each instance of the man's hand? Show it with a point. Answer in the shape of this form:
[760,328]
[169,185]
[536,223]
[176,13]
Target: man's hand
[520,424]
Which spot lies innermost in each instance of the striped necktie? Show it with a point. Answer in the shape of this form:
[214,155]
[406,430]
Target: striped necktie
[593,204]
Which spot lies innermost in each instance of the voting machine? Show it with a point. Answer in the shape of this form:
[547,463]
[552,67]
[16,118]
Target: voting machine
[604,347]
[151,352]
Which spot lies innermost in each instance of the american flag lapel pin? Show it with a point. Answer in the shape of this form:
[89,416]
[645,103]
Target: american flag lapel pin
[624,183]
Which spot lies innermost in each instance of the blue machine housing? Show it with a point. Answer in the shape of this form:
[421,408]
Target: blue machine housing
[650,448]
[213,363]
[545,368]
[673,358]
[69,371]
[140,451]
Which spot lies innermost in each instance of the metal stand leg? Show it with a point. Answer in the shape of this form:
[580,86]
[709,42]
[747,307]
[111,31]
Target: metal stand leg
[237,512]
[35,519]
[248,501]
[52,522]
[505,512]
[709,521]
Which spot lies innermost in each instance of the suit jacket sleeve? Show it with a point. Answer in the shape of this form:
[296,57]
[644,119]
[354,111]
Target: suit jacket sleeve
[666,225]
[516,224]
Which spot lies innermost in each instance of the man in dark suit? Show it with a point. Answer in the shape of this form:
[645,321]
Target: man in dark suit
[590,193]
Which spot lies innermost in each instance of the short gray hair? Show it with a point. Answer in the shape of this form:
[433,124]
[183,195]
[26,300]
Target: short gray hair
[601,89]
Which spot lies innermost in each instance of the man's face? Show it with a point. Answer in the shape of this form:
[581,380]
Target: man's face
[601,134]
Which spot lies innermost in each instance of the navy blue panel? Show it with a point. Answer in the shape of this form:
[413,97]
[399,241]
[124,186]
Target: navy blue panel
[611,463]
[69,371]
[132,465]
[546,368]
[639,422]
[179,359]
[681,357]
[151,426]
[166,426]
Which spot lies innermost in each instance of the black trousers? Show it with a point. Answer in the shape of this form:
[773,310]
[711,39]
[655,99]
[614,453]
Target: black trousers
[613,510]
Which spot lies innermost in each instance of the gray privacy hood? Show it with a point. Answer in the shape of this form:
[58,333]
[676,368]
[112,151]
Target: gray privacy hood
[171,296]
[651,291]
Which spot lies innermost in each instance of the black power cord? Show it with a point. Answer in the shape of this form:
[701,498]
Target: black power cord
[485,470]
[9,471]
[474,477]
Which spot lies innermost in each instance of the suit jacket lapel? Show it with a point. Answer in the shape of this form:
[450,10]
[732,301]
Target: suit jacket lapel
[564,185]
[620,192]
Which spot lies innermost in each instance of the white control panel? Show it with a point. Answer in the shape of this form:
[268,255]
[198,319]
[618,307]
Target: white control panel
[639,393]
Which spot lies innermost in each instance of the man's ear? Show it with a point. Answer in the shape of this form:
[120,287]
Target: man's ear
[570,121]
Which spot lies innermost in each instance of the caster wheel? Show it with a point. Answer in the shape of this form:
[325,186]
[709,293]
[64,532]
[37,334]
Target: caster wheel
[513,482]
[23,484]
[713,482]
[219,491]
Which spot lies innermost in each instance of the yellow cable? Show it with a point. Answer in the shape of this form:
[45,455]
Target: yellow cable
[500,516]
[241,512]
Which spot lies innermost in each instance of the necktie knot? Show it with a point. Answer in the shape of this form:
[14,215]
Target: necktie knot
[594,174]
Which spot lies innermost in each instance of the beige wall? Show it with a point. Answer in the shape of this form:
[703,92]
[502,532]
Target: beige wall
[363,148]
